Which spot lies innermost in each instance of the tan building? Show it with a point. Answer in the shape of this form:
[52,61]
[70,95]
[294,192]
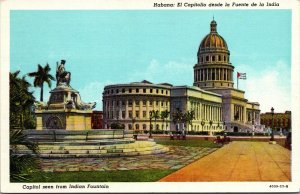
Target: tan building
[216,103]
[278,121]
[214,72]
[207,107]
[130,104]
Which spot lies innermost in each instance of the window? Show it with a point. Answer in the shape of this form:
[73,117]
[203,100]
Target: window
[144,90]
[123,103]
[151,103]
[150,90]
[157,103]
[137,113]
[137,126]
[144,102]
[156,91]
[107,91]
[137,90]
[201,59]
[130,114]
[129,126]
[166,91]
[207,58]
[117,91]
[144,114]
[130,90]
[137,103]
[130,103]
[112,91]
[144,126]
[224,58]
[162,103]
[117,103]
[162,91]
[123,114]
[123,90]
[213,58]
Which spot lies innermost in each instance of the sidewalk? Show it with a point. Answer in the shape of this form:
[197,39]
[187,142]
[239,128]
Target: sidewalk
[238,161]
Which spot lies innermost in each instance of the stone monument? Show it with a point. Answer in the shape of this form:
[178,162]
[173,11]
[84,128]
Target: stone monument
[65,109]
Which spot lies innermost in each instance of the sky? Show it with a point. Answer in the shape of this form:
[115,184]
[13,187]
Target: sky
[104,47]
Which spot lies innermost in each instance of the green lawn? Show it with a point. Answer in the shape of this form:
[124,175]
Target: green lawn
[188,142]
[101,176]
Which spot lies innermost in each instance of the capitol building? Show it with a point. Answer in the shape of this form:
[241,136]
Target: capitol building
[216,104]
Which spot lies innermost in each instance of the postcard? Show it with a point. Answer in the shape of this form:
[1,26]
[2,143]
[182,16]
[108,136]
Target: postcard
[149,96]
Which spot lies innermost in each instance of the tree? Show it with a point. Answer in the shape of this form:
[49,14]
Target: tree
[42,75]
[189,116]
[21,102]
[117,126]
[21,165]
[164,115]
[155,115]
[177,117]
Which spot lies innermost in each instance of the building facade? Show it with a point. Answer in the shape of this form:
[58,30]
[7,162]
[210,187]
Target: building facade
[216,104]
[97,120]
[207,108]
[131,104]
[278,121]
[214,72]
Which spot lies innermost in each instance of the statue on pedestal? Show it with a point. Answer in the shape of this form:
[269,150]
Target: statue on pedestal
[63,77]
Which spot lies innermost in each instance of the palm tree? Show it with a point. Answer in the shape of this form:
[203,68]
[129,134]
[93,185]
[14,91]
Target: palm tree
[164,115]
[155,115]
[189,116]
[42,75]
[177,117]
[21,164]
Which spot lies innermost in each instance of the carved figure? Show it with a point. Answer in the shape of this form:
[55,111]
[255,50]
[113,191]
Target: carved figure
[63,77]
[80,104]
[40,105]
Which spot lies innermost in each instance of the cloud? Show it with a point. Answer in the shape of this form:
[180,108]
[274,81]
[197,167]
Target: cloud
[93,93]
[270,87]
[178,73]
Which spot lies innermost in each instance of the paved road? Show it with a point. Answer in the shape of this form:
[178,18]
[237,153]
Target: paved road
[238,161]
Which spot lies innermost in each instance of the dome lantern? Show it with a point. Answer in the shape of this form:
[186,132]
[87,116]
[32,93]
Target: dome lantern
[213,26]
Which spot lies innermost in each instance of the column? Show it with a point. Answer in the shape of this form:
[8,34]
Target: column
[241,113]
[141,109]
[147,108]
[120,109]
[215,74]
[203,75]
[222,74]
[200,74]
[126,109]
[159,105]
[133,108]
[206,74]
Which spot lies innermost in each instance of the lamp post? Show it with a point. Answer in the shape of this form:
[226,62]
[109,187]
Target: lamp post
[272,132]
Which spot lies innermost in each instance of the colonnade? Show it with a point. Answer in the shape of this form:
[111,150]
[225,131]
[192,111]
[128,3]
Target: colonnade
[128,109]
[206,111]
[213,74]
[239,112]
